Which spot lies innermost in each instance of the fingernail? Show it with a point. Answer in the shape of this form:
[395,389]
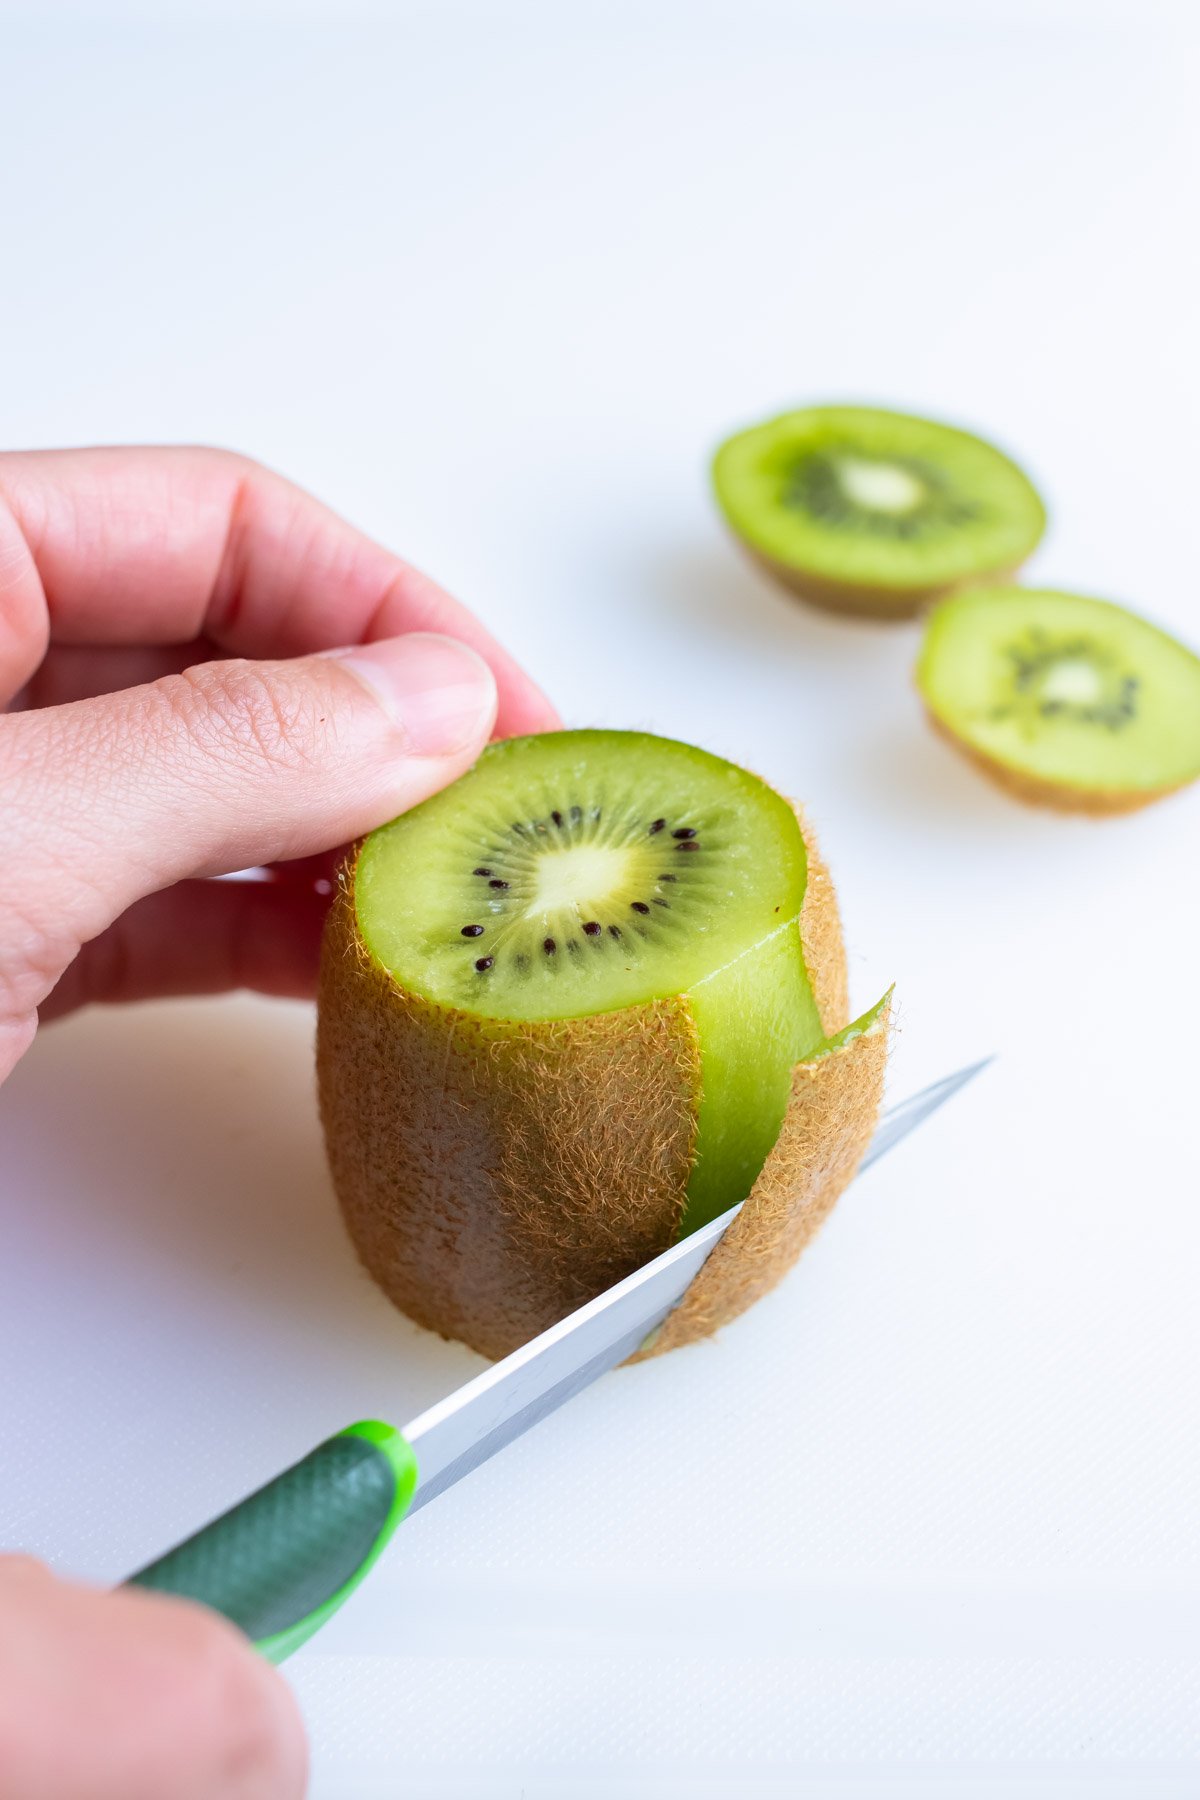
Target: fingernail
[439,691]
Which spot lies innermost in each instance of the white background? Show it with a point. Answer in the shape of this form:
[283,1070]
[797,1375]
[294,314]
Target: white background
[494,280]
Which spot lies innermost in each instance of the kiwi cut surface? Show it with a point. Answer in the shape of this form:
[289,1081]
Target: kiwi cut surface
[873,512]
[561,1006]
[1065,700]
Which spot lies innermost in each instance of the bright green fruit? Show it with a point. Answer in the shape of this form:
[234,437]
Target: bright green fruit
[875,512]
[590,873]
[566,1015]
[1065,700]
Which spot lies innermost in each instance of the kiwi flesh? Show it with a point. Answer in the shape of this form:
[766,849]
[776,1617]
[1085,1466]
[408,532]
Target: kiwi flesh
[864,511]
[561,1008]
[1065,700]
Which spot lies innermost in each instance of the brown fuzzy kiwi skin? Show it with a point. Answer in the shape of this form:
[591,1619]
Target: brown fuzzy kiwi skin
[826,1130]
[864,602]
[494,1179]
[1093,803]
[821,936]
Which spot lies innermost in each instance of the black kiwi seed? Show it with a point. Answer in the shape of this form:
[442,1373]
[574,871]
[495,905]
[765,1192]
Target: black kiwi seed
[657,826]
[614,931]
[472,930]
[639,906]
[690,845]
[659,901]
[593,928]
[481,871]
[685,831]
[557,817]
[484,962]
[497,883]
[549,946]
[668,878]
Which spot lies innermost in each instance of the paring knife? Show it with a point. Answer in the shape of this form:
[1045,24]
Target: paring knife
[282,1561]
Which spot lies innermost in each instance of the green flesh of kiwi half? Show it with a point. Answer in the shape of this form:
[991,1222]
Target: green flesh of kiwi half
[1068,700]
[870,511]
[583,873]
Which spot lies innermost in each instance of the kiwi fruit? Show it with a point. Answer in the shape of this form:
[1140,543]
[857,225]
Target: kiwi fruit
[1064,700]
[862,511]
[572,1008]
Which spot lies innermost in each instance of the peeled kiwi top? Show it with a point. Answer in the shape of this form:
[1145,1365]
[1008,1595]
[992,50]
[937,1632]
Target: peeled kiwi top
[875,512]
[563,1006]
[1065,700]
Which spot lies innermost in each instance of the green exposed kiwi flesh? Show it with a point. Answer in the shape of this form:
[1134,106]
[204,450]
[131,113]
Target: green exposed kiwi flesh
[1066,701]
[562,1004]
[863,511]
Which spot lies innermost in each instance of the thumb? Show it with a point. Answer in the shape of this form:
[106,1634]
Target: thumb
[226,765]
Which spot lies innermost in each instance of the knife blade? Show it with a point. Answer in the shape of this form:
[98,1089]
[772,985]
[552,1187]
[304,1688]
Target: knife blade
[281,1562]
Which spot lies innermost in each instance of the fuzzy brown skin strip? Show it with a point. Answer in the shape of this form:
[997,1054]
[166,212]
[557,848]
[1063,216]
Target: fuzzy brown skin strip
[834,1105]
[495,1176]
[864,601]
[821,936]
[1036,792]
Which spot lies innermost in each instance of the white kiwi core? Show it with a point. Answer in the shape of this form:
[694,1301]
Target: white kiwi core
[578,875]
[879,486]
[1074,681]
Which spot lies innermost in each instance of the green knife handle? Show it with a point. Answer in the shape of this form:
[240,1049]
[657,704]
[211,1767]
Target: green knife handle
[282,1561]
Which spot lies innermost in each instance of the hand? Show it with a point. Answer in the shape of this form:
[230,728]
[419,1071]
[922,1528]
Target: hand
[134,761]
[129,1696]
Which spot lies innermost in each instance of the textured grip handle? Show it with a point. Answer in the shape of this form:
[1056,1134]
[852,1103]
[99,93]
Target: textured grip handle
[282,1561]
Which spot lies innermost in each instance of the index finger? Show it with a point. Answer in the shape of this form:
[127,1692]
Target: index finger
[164,545]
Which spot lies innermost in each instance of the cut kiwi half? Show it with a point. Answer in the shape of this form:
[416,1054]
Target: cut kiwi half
[562,1006]
[873,512]
[1064,700]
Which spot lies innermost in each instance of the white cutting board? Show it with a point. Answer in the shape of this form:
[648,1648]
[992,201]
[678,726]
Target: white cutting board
[493,281]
